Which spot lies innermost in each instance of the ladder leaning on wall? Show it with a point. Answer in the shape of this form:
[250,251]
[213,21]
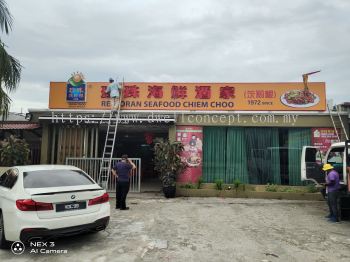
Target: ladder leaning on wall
[108,150]
[334,125]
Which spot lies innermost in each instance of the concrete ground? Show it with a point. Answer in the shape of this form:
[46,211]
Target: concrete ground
[208,229]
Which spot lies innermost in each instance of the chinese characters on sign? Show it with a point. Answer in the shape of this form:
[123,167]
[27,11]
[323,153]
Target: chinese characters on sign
[131,91]
[103,90]
[203,92]
[227,92]
[178,92]
[155,91]
[260,94]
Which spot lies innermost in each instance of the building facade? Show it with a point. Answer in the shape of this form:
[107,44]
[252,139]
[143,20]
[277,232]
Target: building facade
[253,132]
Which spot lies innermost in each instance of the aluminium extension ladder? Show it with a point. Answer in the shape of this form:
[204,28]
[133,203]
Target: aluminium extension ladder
[106,162]
[341,122]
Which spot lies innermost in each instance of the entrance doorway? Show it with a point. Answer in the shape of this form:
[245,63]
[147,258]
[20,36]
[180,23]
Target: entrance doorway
[132,140]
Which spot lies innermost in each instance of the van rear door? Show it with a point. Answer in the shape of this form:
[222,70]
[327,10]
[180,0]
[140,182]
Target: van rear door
[311,165]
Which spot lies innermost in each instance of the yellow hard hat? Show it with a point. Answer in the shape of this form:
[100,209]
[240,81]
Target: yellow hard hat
[327,167]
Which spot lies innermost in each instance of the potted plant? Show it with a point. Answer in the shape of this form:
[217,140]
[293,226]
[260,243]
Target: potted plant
[167,162]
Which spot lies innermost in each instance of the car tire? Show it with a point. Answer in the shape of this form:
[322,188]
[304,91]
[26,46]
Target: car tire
[4,244]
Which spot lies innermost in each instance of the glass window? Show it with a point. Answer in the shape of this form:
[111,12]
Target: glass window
[335,158]
[313,155]
[3,178]
[9,178]
[55,178]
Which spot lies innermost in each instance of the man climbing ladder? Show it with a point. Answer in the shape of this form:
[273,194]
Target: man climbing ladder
[114,89]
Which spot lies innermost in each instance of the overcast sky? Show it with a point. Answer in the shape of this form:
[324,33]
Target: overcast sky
[178,41]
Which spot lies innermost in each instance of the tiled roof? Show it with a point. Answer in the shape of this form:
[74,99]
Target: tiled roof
[19,126]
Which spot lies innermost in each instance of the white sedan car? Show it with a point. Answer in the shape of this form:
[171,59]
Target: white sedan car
[40,202]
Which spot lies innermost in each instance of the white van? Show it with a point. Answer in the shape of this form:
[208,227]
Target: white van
[312,161]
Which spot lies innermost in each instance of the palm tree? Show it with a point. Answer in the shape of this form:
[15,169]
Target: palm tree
[10,68]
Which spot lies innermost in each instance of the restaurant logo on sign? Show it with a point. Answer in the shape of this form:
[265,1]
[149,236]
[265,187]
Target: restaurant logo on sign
[76,88]
[203,96]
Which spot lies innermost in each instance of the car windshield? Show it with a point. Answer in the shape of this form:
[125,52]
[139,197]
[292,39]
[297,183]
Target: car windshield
[55,178]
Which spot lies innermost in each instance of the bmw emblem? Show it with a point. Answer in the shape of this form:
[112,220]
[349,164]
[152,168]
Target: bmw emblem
[72,197]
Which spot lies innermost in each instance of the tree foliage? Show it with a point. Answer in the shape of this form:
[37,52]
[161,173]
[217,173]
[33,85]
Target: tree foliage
[14,151]
[10,68]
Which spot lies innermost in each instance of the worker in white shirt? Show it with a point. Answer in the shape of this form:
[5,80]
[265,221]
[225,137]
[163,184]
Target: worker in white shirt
[114,91]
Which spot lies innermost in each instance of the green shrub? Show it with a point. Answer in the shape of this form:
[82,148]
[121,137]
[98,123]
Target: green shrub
[311,188]
[271,188]
[14,151]
[218,184]
[188,185]
[236,184]
[289,190]
[284,189]
[199,183]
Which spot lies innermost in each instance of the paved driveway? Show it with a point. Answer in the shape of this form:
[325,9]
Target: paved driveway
[208,229]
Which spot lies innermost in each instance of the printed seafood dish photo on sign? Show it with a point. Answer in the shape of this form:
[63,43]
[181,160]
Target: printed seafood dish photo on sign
[299,98]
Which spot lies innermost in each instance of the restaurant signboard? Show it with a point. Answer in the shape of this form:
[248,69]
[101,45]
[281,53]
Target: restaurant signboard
[199,96]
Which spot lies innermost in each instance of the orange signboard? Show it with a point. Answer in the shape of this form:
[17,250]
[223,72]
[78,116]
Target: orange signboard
[198,96]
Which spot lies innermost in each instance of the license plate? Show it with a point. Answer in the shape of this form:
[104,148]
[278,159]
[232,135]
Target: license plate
[70,206]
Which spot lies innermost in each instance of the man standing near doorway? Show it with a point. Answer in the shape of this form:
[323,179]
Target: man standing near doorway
[332,187]
[121,171]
